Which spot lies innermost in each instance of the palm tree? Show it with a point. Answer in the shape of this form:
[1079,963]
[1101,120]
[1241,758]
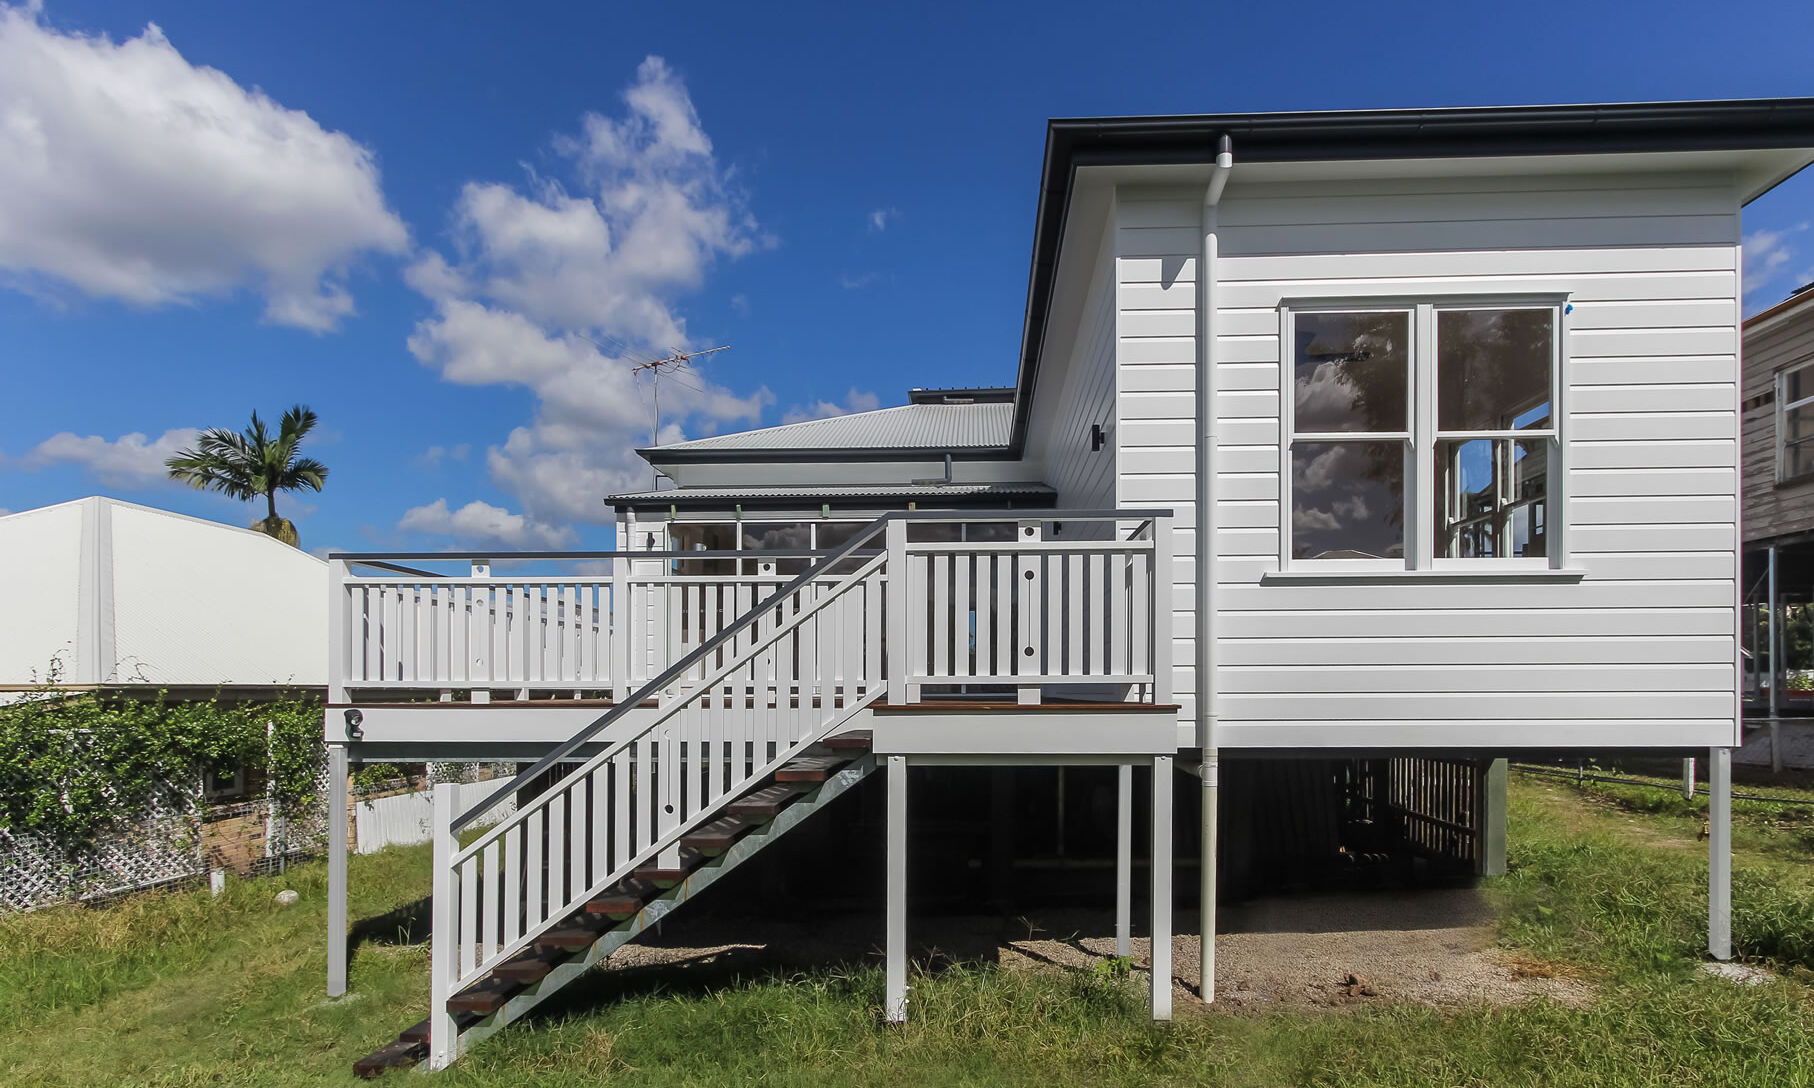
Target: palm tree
[253,462]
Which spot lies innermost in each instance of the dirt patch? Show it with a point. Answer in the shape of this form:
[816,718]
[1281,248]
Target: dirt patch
[1328,951]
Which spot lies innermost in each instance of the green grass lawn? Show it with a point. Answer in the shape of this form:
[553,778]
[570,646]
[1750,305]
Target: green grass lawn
[182,989]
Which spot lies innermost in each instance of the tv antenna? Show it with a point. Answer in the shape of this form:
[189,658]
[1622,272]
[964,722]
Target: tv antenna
[673,363]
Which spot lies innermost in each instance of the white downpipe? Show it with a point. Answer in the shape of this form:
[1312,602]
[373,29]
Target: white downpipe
[1205,566]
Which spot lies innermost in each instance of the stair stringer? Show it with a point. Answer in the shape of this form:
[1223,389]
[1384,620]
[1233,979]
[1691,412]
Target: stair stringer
[667,903]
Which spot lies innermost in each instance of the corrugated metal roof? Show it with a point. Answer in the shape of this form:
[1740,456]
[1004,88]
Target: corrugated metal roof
[909,426]
[814,494]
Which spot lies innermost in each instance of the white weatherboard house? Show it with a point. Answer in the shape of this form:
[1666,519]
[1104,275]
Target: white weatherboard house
[115,596]
[1398,441]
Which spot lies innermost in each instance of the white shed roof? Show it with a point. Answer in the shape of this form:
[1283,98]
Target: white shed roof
[982,425]
[116,593]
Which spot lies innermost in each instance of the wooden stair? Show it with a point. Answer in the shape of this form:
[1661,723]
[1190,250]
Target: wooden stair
[616,908]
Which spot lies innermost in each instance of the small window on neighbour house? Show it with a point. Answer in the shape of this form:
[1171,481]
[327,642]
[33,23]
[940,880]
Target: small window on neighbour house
[1380,416]
[1795,422]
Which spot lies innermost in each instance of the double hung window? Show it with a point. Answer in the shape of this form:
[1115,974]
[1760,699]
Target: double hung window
[1423,431]
[1795,422]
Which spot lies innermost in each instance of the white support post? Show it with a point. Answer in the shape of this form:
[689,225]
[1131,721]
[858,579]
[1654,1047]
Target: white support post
[1778,675]
[443,946]
[1210,773]
[897,890]
[1124,859]
[1719,853]
[337,771]
[1162,887]
[1688,779]
[896,595]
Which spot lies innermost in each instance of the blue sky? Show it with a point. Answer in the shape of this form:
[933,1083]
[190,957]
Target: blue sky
[448,228]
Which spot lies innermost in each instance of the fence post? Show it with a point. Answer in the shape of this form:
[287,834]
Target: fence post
[895,643]
[444,939]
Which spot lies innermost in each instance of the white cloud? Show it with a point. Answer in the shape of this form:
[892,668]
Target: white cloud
[854,401]
[880,218]
[432,457]
[129,173]
[478,524]
[1767,254]
[132,460]
[562,286]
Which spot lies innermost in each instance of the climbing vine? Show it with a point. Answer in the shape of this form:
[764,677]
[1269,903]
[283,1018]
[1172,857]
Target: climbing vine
[74,766]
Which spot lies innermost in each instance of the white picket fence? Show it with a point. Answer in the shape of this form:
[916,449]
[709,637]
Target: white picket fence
[407,819]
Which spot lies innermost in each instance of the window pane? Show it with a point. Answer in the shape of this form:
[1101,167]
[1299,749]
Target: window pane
[1798,450]
[1796,385]
[1493,369]
[1349,372]
[785,536]
[1347,500]
[704,537]
[1492,498]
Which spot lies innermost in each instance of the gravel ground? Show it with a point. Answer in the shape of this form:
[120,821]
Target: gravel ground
[1326,951]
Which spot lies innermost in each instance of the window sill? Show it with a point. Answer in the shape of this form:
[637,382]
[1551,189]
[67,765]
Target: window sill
[1485,575]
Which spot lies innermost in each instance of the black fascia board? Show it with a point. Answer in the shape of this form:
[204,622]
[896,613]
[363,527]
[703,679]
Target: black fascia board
[1357,135]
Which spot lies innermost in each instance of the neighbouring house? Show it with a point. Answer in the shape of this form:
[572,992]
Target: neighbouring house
[114,600]
[1778,478]
[1348,454]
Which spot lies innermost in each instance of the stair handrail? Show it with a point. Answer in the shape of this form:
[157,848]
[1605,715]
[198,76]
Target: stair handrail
[674,672]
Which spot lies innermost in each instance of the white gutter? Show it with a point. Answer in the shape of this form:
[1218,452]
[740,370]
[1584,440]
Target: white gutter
[1206,601]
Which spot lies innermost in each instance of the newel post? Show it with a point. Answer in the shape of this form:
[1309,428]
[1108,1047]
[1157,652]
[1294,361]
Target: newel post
[1160,614]
[444,939]
[617,620]
[895,533]
[338,634]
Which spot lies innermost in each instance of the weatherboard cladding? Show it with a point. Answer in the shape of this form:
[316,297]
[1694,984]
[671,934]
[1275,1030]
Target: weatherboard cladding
[909,426]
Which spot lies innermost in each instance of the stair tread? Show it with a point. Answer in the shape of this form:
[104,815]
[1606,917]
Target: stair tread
[484,996]
[655,873]
[418,1031]
[766,801]
[855,740]
[530,966]
[574,933]
[392,1055]
[810,768]
[720,833]
[626,897]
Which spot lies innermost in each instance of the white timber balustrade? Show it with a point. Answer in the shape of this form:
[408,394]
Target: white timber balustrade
[1022,608]
[405,630]
[1023,601]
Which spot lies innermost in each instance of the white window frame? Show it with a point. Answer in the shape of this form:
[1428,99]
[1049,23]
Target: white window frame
[1419,515]
[1783,407]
